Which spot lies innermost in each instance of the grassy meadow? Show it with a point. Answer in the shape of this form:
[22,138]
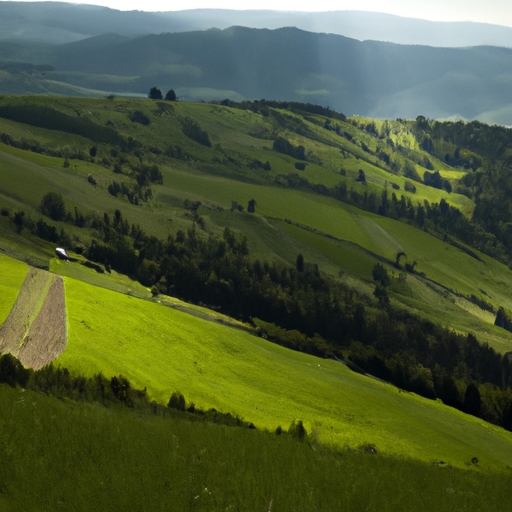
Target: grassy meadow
[151,463]
[344,241]
[13,274]
[163,349]
[371,446]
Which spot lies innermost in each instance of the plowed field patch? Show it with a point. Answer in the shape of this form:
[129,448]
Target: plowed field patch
[35,330]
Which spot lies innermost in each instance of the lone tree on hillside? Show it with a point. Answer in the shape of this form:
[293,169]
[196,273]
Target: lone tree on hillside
[300,263]
[155,94]
[399,256]
[502,320]
[361,177]
[170,96]
[380,274]
[53,206]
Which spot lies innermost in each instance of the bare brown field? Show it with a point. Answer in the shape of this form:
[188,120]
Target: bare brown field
[35,330]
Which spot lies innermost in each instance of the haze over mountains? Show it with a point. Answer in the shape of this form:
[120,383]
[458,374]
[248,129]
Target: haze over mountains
[59,22]
[90,50]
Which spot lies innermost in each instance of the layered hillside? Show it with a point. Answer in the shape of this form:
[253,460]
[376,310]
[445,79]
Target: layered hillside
[207,240]
[371,78]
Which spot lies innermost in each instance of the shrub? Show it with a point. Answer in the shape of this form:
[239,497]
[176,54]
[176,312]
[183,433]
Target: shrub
[53,206]
[12,371]
[177,401]
[139,117]
[297,430]
[409,187]
[193,131]
[283,146]
[380,274]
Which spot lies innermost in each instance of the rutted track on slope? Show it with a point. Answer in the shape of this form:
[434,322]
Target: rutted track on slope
[35,330]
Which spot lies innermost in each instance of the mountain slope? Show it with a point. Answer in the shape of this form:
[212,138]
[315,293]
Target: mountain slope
[364,78]
[163,349]
[337,236]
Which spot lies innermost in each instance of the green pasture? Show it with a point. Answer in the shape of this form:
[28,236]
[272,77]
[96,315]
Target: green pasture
[244,135]
[29,249]
[12,273]
[110,280]
[375,233]
[25,182]
[355,158]
[163,349]
[450,266]
[349,257]
[26,177]
[61,455]
[230,130]
[441,262]
[419,295]
[454,312]
[235,133]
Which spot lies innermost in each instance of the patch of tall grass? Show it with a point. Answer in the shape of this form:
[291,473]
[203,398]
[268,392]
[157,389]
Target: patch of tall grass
[62,455]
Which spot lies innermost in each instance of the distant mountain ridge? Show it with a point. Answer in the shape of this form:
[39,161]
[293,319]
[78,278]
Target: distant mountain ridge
[366,78]
[59,22]
[372,78]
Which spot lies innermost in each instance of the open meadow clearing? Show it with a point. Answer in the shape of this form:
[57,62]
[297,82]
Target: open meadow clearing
[215,366]
[13,274]
[181,464]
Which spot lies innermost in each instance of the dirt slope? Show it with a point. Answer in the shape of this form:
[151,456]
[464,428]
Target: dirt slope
[35,330]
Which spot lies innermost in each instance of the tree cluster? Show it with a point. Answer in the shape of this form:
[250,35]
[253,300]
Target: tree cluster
[116,391]
[284,146]
[193,131]
[333,320]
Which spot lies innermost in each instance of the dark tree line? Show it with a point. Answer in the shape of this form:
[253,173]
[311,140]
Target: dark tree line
[116,391]
[331,320]
[328,319]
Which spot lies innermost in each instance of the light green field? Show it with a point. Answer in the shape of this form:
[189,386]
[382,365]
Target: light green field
[12,273]
[111,281]
[215,366]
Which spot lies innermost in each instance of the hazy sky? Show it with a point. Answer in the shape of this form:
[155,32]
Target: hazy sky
[490,11]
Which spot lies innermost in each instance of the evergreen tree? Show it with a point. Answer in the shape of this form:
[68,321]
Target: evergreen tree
[472,401]
[155,94]
[171,95]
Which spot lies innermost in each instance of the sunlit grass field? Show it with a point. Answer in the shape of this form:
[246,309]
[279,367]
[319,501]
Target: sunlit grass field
[214,366]
[13,273]
[162,349]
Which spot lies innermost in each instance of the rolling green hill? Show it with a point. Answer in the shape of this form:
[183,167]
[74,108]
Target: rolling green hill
[338,237]
[163,349]
[373,78]
[138,462]
[365,235]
